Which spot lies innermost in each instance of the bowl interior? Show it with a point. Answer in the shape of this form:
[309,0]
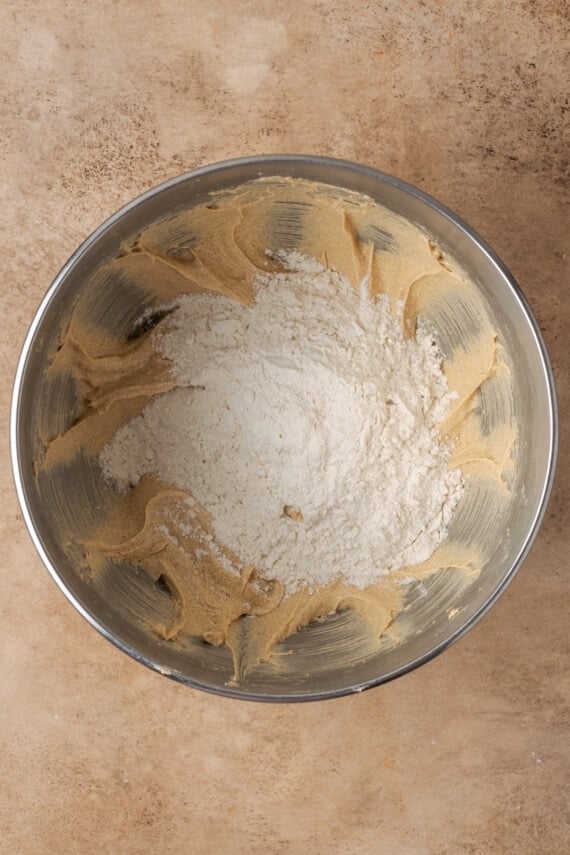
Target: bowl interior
[325,658]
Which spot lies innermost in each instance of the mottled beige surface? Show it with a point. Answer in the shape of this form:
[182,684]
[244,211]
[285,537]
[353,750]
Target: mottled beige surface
[99,102]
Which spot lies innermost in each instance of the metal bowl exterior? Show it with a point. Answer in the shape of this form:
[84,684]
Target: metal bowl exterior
[319,677]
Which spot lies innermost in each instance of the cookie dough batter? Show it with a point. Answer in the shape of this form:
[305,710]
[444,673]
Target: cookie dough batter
[221,245]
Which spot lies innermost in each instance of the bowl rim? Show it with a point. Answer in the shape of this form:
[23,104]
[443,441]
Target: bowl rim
[279,160]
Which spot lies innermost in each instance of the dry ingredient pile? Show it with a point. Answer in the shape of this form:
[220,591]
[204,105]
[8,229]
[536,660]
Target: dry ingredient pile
[305,425]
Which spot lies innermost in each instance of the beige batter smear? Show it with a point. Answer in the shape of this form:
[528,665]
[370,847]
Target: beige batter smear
[221,246]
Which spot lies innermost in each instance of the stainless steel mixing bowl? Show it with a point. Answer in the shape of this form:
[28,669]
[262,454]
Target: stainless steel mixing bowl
[321,660]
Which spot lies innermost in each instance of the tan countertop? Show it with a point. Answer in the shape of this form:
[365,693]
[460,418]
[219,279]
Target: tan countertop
[469,754]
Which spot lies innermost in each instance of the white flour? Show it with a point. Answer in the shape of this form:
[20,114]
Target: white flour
[305,425]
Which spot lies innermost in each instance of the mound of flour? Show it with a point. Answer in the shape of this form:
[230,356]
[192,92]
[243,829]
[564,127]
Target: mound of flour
[305,425]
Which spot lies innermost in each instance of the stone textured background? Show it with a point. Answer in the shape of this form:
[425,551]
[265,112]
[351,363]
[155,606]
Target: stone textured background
[467,100]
